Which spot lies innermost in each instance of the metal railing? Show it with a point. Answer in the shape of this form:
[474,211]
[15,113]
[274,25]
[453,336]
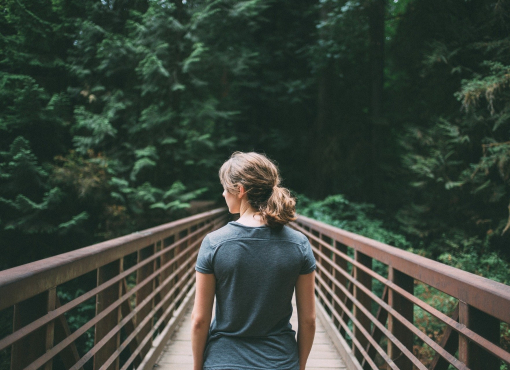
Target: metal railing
[352,268]
[141,286]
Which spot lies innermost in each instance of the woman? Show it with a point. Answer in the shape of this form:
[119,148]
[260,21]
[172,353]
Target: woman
[253,265]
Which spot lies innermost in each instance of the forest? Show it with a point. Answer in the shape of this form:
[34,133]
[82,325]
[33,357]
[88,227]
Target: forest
[389,118]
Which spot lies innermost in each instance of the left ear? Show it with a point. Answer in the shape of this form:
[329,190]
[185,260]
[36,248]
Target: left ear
[242,191]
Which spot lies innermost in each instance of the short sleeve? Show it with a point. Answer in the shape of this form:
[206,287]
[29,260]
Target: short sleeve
[205,257]
[308,265]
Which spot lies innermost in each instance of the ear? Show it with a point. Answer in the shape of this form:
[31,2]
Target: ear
[242,191]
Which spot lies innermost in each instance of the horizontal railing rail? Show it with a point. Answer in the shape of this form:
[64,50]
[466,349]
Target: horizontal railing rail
[368,290]
[134,290]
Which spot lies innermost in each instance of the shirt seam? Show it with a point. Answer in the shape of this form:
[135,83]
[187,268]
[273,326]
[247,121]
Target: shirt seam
[222,367]
[300,243]
[213,246]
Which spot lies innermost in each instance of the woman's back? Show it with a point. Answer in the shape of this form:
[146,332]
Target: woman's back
[252,267]
[256,269]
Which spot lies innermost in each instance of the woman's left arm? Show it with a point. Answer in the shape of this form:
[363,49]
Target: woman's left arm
[201,316]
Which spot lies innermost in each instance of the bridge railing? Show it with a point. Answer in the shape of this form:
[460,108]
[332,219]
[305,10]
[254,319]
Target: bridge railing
[367,289]
[135,289]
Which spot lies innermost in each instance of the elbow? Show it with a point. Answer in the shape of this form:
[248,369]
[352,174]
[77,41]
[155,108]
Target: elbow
[308,322]
[198,323]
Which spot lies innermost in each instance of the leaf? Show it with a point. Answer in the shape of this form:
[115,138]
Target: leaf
[75,221]
[139,165]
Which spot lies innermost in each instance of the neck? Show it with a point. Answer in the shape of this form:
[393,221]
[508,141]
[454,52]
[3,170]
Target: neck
[249,215]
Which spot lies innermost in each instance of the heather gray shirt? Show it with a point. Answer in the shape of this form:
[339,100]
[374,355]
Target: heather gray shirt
[256,269]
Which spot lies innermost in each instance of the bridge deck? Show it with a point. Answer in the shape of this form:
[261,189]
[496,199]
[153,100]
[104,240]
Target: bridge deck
[177,353]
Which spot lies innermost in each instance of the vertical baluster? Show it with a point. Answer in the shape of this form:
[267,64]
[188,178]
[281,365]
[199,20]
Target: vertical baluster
[165,257]
[103,300]
[342,263]
[405,308]
[191,241]
[141,294]
[327,264]
[318,260]
[182,247]
[50,328]
[485,325]
[363,298]
[24,313]
[157,282]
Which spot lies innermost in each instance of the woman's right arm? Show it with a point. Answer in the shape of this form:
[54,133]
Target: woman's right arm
[201,316]
[305,301]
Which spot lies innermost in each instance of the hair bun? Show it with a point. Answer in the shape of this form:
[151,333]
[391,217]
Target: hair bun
[260,177]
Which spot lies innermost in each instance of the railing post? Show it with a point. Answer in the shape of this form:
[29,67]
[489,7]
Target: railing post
[50,328]
[104,326]
[342,263]
[486,326]
[364,300]
[165,257]
[328,264]
[182,247]
[405,308]
[141,294]
[318,260]
[26,312]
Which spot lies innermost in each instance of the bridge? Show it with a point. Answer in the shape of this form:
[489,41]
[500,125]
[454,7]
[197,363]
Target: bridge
[135,294]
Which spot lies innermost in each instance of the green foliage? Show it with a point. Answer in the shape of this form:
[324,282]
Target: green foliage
[79,316]
[489,265]
[360,218]
[114,116]
[29,204]
[456,152]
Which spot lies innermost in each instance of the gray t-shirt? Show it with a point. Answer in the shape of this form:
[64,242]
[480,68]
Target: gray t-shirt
[256,270]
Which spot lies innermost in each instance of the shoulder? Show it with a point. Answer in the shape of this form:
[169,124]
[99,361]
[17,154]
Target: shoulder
[220,235]
[292,235]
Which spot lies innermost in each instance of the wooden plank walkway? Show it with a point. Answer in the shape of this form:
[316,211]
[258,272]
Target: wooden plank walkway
[177,353]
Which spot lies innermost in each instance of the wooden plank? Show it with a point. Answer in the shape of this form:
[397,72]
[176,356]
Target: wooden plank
[177,353]
[159,344]
[337,340]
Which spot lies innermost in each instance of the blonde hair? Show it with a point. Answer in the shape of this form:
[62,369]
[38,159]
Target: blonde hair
[260,178]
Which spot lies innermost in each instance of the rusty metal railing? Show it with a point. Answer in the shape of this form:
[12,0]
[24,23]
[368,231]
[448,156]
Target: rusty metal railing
[366,322]
[141,285]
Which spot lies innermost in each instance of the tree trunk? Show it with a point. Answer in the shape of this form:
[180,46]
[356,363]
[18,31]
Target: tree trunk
[320,155]
[376,15]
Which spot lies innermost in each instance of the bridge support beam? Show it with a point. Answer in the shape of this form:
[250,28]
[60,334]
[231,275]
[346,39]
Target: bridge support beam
[40,340]
[342,263]
[486,326]
[104,326]
[405,308]
[363,299]
[142,273]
